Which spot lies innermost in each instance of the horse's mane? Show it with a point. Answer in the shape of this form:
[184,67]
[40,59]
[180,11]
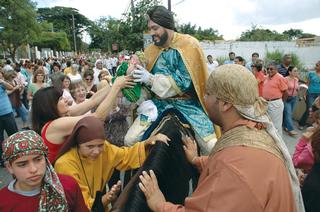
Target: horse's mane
[170,165]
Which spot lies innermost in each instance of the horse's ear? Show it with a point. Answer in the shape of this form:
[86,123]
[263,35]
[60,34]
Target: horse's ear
[186,131]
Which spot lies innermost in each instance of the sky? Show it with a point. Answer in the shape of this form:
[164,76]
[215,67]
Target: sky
[229,17]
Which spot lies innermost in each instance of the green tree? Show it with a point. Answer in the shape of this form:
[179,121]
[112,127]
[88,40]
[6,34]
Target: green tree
[104,32]
[57,41]
[208,34]
[62,20]
[127,32]
[293,33]
[297,33]
[199,33]
[187,29]
[134,25]
[259,34]
[18,19]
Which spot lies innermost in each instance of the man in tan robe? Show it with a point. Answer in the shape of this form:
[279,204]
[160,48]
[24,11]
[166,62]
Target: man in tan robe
[250,168]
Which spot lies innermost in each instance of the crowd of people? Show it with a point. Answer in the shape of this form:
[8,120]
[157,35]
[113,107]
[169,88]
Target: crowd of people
[84,117]
[280,84]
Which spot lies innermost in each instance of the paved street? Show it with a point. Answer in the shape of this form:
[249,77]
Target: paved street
[290,141]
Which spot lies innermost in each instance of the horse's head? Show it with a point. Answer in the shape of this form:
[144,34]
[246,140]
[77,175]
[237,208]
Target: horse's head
[170,165]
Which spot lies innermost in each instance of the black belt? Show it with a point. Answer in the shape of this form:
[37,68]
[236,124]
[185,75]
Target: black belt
[269,100]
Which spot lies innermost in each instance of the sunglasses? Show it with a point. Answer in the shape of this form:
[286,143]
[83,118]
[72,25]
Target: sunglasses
[270,69]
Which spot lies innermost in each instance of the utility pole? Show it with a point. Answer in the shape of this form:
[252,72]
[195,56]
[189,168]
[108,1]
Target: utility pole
[132,10]
[74,34]
[4,52]
[169,5]
[132,7]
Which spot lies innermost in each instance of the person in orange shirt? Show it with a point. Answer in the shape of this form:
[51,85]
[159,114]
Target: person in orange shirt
[250,150]
[274,89]
[259,74]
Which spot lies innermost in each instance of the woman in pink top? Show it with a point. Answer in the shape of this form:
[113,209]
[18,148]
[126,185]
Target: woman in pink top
[290,102]
[54,120]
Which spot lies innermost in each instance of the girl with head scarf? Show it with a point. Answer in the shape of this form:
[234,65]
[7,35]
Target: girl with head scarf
[91,160]
[36,186]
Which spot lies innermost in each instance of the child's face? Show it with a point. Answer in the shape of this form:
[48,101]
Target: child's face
[132,63]
[135,60]
[29,171]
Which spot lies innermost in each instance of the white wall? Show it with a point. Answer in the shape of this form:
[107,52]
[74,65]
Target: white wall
[308,55]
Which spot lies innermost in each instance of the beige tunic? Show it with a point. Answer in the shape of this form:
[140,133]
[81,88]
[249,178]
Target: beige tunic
[239,179]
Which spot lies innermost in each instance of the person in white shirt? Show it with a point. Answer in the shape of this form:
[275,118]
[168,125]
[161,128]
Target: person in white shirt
[96,71]
[114,63]
[66,82]
[212,64]
[8,66]
[254,58]
[74,75]
[108,64]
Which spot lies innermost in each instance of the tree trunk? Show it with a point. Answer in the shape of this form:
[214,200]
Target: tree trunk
[12,53]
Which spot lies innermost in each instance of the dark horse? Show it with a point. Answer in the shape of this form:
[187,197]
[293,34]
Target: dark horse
[169,163]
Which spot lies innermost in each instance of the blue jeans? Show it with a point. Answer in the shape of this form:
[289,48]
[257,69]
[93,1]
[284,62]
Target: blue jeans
[310,99]
[288,111]
[22,112]
[8,124]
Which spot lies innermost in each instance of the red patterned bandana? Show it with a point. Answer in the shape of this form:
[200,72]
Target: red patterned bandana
[52,197]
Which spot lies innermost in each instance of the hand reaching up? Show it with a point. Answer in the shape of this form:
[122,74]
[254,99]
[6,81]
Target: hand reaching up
[124,82]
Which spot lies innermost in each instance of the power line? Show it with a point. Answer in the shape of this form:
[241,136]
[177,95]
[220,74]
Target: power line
[123,16]
[74,34]
[178,2]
